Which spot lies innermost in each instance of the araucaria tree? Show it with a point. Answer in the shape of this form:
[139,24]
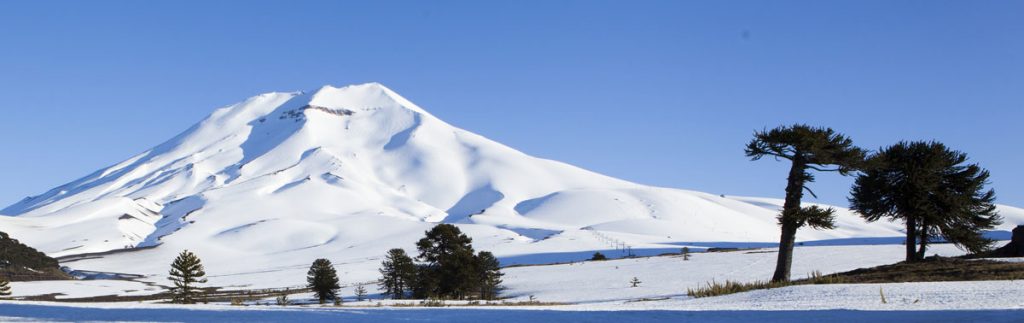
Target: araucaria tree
[323,280]
[448,269]
[186,272]
[932,190]
[489,275]
[808,149]
[398,273]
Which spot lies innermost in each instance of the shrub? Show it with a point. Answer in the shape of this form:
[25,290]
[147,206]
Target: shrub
[283,300]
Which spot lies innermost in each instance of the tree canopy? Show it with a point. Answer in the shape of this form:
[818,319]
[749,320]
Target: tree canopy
[323,280]
[398,273]
[933,190]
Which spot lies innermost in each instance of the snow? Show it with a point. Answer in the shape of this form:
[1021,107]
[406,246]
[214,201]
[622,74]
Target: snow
[594,291]
[670,276]
[35,312]
[261,188]
[82,288]
[981,295]
[987,301]
[63,313]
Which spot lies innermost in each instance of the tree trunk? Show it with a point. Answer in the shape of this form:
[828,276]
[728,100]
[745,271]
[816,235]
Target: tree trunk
[794,192]
[924,244]
[785,261]
[911,239]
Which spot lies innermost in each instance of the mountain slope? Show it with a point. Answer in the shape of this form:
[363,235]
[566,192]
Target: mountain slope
[350,172]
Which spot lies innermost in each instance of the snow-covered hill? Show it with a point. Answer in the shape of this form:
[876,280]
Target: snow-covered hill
[280,179]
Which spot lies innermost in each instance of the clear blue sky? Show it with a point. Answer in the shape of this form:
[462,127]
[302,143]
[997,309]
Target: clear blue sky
[663,93]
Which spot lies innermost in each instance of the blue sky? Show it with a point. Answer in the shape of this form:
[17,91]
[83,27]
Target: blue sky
[658,92]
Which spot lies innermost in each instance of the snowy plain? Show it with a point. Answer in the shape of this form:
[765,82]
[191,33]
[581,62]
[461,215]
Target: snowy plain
[600,292]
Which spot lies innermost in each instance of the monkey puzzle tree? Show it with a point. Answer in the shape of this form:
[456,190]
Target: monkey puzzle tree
[186,271]
[323,280]
[931,189]
[807,148]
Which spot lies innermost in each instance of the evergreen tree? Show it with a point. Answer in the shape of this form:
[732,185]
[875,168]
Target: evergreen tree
[932,191]
[186,271]
[424,283]
[449,263]
[323,280]
[5,287]
[598,256]
[398,273]
[807,148]
[489,275]
[360,292]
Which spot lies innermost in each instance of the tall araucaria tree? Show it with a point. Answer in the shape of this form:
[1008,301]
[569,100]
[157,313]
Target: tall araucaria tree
[808,149]
[932,190]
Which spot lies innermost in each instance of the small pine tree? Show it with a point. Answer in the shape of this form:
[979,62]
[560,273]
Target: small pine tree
[5,287]
[323,280]
[360,292]
[686,253]
[186,272]
[598,256]
[635,282]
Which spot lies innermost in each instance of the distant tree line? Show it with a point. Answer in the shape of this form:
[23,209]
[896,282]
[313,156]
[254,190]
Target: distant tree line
[447,267]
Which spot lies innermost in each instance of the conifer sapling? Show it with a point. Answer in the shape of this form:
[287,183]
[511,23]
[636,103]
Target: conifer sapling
[186,271]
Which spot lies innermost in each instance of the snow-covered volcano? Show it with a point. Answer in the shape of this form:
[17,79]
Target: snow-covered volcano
[284,178]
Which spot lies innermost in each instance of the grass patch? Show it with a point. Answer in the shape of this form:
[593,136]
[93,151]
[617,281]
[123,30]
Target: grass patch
[935,269]
[714,288]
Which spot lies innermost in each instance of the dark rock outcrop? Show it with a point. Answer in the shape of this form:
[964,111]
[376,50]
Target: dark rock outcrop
[1016,246]
[19,262]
